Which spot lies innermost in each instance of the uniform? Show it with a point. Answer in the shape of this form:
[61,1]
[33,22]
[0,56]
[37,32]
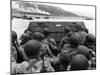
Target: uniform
[33,63]
[24,67]
[82,36]
[45,50]
[14,54]
[52,45]
[65,40]
[31,66]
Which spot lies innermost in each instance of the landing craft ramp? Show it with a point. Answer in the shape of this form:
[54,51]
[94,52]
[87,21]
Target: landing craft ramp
[56,26]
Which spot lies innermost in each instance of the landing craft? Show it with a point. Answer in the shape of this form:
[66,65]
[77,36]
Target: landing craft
[56,26]
[26,17]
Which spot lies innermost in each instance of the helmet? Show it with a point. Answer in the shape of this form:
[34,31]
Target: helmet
[46,31]
[52,41]
[90,38]
[25,37]
[79,27]
[83,50]
[74,40]
[86,30]
[32,48]
[64,57]
[67,29]
[70,34]
[79,62]
[28,32]
[14,35]
[38,36]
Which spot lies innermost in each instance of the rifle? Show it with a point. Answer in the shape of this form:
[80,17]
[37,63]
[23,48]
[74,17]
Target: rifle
[44,68]
[19,54]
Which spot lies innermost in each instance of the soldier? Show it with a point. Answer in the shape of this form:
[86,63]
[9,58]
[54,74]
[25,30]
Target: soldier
[13,50]
[74,48]
[53,46]
[90,55]
[45,49]
[50,42]
[90,41]
[65,59]
[82,36]
[73,43]
[16,53]
[66,54]
[64,40]
[34,64]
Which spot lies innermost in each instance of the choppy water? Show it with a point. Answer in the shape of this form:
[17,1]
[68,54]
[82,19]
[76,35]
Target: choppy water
[19,25]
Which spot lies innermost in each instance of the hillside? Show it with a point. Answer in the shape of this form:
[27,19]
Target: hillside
[35,8]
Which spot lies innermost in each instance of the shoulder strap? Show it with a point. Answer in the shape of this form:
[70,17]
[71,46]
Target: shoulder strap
[31,65]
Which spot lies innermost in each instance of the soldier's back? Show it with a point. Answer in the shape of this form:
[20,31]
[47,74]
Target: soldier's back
[26,67]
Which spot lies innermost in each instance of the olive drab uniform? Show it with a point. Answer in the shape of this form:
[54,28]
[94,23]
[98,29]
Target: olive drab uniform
[31,66]
[34,63]
[45,50]
[69,49]
[14,54]
[27,67]
[13,49]
[56,64]
[47,65]
[65,59]
[63,42]
[62,61]
[53,46]
[81,35]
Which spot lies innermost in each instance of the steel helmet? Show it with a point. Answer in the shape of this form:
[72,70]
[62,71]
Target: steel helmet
[25,37]
[74,40]
[90,38]
[32,48]
[67,29]
[79,62]
[38,36]
[83,50]
[46,31]
[14,35]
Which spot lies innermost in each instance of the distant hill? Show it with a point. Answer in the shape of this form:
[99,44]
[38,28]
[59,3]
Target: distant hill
[35,8]
[57,11]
